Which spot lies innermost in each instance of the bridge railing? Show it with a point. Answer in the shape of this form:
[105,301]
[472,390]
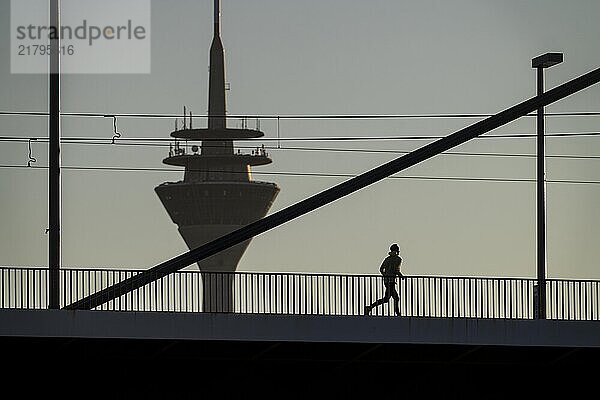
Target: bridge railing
[309,294]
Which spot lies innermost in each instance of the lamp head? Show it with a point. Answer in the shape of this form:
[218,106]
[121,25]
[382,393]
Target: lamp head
[547,60]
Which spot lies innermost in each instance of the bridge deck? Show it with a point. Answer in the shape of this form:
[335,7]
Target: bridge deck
[169,354]
[301,328]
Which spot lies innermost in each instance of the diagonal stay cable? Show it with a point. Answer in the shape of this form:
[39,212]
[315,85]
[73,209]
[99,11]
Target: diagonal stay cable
[336,192]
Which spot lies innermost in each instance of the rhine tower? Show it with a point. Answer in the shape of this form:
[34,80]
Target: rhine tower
[217,194]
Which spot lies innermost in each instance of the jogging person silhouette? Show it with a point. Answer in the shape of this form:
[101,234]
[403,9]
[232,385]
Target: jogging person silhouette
[390,268]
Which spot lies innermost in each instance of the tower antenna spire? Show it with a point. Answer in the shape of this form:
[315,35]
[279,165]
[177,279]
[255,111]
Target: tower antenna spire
[217,17]
[216,84]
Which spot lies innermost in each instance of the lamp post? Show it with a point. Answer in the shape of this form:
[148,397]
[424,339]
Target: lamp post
[540,63]
[54,163]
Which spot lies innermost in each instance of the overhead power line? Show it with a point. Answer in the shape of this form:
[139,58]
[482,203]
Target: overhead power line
[307,139]
[307,174]
[163,143]
[360,151]
[293,116]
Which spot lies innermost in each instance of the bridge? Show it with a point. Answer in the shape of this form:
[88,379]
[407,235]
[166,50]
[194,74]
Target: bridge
[459,337]
[289,324]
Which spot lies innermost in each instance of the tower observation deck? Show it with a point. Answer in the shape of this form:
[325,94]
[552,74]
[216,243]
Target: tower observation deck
[217,194]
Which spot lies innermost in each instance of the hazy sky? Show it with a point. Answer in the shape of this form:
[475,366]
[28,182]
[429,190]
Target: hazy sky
[333,57]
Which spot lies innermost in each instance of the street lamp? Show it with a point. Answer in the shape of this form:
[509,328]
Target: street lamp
[540,63]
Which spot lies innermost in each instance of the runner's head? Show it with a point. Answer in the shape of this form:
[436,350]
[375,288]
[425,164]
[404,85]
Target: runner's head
[394,248]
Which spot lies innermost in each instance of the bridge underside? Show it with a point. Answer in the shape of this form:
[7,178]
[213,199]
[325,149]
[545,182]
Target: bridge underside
[188,354]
